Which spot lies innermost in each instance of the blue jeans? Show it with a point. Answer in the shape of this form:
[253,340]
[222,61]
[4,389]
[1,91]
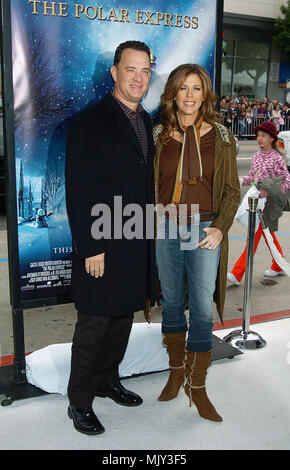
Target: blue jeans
[200,266]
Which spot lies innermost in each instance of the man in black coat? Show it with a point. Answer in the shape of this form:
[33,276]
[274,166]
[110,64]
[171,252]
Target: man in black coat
[109,167]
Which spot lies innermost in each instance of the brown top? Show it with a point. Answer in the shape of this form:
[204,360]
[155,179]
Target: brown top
[199,193]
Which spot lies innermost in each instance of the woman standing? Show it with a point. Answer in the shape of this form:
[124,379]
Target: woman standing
[276,116]
[195,163]
[269,112]
[249,119]
[267,163]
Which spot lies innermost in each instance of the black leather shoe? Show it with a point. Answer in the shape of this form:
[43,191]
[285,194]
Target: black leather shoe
[119,394]
[85,420]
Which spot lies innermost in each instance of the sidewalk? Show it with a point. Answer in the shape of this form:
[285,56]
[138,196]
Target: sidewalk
[250,391]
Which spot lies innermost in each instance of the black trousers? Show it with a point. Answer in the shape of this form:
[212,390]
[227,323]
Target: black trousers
[98,347]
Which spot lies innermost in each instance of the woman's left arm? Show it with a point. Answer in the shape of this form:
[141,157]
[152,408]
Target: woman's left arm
[227,203]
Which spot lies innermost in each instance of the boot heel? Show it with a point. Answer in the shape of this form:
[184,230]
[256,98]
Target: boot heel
[69,413]
[196,367]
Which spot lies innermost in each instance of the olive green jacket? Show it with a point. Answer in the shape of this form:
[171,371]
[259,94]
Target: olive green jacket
[226,197]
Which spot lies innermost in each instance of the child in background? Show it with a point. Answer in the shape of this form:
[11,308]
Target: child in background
[266,163]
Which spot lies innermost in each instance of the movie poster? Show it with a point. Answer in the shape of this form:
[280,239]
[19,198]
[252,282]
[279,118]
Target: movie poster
[62,54]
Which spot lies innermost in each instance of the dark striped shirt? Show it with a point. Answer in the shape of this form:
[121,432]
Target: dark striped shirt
[137,121]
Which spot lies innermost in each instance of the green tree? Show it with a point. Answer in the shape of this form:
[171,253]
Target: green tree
[281,39]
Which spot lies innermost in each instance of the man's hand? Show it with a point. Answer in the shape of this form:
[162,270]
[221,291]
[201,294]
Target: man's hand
[213,238]
[95,265]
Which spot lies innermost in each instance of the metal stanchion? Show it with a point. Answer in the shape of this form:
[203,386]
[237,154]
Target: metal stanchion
[246,339]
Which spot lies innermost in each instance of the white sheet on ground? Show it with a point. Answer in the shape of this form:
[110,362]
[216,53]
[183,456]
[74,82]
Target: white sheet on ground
[49,368]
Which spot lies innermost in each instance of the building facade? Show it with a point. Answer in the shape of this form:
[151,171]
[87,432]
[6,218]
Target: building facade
[250,65]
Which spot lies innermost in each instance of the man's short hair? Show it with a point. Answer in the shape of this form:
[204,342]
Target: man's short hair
[136,45]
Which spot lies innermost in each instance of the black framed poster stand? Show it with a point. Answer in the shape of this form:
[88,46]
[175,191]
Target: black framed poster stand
[13,381]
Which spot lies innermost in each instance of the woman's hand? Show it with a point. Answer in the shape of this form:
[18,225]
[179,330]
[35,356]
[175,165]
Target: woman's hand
[213,238]
[95,265]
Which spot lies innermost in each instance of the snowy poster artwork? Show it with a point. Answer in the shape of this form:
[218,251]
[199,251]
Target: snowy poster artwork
[62,53]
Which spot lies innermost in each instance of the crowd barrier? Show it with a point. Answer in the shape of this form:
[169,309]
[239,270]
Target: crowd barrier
[246,129]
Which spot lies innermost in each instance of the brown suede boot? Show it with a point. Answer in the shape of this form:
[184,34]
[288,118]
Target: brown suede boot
[196,366]
[175,344]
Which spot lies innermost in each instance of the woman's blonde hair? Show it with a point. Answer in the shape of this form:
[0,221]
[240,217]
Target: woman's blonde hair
[168,106]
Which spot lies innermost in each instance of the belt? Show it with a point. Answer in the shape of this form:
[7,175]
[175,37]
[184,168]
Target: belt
[207,216]
[203,217]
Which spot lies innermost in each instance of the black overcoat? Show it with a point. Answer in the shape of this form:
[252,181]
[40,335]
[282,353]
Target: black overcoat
[104,159]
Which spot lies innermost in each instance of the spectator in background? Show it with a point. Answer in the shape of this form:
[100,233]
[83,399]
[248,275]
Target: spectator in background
[276,116]
[254,110]
[249,119]
[262,110]
[265,102]
[249,115]
[225,113]
[241,119]
[283,115]
[233,110]
[269,112]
